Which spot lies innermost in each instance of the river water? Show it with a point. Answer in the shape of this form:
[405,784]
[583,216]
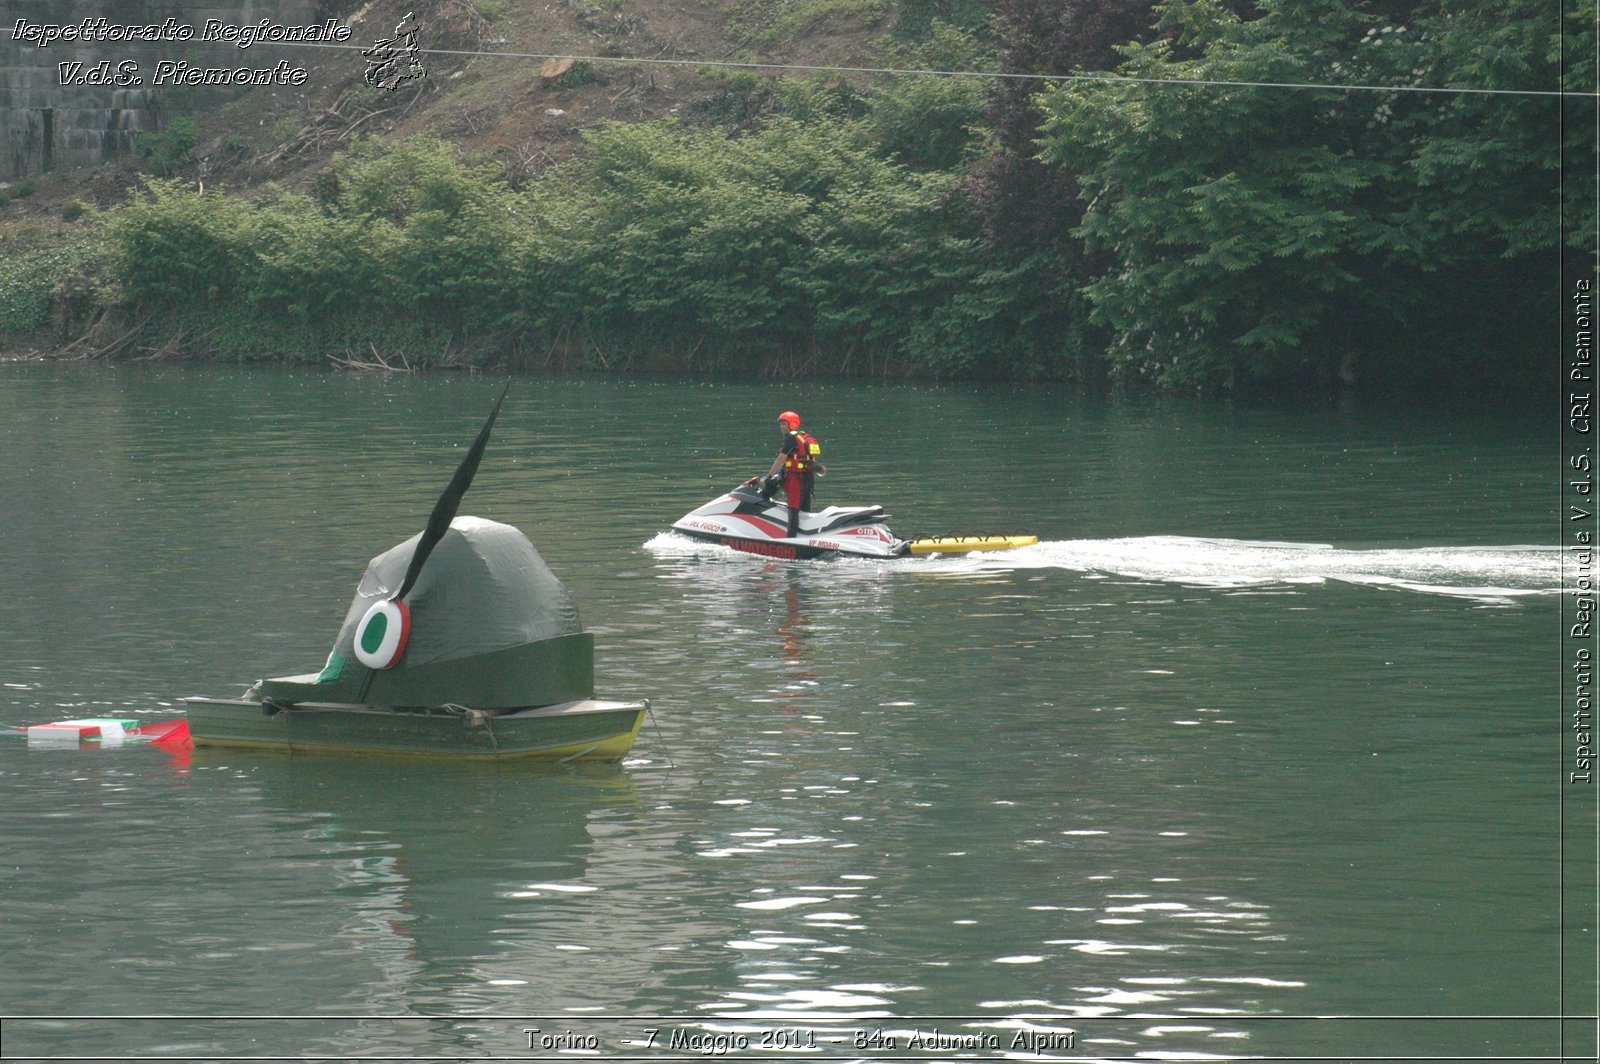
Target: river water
[1258,752]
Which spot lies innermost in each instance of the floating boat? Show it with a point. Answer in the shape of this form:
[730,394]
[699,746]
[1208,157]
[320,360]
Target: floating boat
[460,642]
[747,520]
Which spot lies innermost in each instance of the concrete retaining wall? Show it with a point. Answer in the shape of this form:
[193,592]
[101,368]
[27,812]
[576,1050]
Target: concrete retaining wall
[48,125]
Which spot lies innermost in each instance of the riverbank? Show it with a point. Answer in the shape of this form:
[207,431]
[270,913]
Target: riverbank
[899,225]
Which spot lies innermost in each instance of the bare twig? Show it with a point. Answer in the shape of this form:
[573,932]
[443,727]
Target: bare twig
[378,365]
[89,340]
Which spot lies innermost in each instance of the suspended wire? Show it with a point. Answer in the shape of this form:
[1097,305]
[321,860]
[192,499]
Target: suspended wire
[1000,75]
[809,68]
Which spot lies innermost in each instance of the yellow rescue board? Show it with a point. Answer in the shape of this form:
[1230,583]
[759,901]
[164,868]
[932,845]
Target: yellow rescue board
[965,544]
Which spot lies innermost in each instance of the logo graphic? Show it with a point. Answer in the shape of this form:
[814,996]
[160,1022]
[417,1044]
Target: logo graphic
[394,61]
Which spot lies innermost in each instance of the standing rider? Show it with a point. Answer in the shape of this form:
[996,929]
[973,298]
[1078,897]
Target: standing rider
[797,458]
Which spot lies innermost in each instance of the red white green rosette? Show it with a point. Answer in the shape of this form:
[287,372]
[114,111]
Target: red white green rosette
[382,634]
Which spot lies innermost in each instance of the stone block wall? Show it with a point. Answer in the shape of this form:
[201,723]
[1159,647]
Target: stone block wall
[46,125]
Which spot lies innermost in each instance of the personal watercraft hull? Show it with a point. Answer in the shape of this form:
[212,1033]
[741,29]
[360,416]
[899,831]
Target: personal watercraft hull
[747,521]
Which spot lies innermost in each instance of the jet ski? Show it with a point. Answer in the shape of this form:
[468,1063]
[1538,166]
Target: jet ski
[747,520]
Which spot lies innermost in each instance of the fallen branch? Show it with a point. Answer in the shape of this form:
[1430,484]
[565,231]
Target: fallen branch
[378,365]
[89,338]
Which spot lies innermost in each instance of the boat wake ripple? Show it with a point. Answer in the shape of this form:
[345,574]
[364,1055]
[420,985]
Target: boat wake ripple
[1488,574]
[1495,575]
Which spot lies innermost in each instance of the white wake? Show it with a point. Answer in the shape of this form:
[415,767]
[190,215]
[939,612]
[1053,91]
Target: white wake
[1493,575]
[1484,573]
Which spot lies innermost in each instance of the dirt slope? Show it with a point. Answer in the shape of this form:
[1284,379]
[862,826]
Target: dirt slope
[483,90]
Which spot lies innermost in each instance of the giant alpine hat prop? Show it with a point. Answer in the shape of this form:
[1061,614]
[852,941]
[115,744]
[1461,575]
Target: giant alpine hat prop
[460,642]
[466,612]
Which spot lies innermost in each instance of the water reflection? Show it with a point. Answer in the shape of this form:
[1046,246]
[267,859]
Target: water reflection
[452,889]
[870,863]
[456,879]
[792,634]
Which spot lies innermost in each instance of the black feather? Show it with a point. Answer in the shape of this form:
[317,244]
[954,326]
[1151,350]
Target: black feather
[444,511]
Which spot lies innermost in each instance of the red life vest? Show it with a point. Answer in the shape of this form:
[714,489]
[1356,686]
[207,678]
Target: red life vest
[804,455]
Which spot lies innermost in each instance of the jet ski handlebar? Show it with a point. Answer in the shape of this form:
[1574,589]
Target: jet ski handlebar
[762,485]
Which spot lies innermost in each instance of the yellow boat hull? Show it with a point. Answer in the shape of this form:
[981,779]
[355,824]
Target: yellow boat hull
[968,544]
[588,729]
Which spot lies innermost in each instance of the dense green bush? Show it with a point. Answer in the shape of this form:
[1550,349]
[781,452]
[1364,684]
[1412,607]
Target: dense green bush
[934,121]
[38,278]
[26,283]
[1217,233]
[175,245]
[164,150]
[800,240]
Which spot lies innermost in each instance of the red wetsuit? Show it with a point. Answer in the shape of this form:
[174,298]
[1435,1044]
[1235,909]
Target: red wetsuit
[800,451]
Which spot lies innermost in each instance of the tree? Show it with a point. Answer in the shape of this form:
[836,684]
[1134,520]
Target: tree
[1575,50]
[1024,204]
[1257,230]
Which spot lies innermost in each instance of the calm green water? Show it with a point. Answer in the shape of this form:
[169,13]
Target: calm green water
[1266,728]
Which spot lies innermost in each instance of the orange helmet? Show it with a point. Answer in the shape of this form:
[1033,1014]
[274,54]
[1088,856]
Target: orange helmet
[790,418]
